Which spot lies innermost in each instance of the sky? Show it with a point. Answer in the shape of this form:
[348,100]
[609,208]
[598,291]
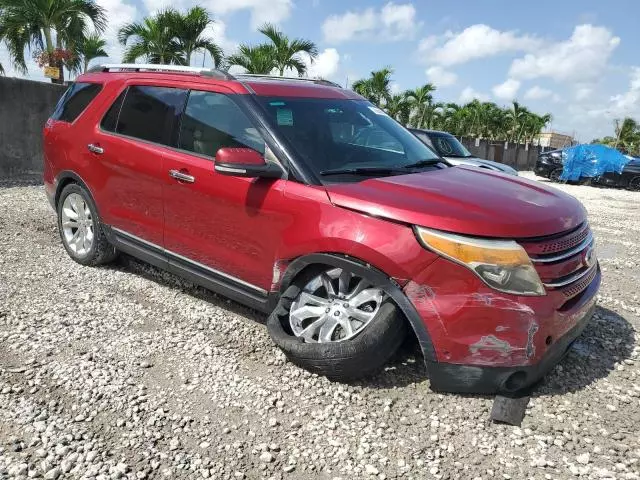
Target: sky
[577,60]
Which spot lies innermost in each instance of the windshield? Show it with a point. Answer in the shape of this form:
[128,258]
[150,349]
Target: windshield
[448,146]
[336,134]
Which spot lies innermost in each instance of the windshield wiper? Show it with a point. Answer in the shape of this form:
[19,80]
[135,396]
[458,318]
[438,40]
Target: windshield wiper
[361,171]
[425,163]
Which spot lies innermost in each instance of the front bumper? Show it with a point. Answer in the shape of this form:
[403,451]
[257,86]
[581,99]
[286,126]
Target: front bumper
[449,377]
[487,342]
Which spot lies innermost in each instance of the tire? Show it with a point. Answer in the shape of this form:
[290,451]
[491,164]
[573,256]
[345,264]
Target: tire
[360,356]
[554,176]
[98,250]
[634,184]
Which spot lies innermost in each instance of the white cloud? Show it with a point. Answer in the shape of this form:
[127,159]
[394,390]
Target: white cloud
[583,92]
[628,103]
[118,13]
[582,56]
[391,23]
[441,77]
[325,65]
[469,94]
[537,93]
[476,41]
[507,90]
[262,11]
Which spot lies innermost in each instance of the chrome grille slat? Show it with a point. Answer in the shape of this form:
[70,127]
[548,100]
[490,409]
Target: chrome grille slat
[569,253]
[573,278]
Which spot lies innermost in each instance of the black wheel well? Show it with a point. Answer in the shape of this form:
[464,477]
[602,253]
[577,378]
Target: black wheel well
[303,265]
[61,184]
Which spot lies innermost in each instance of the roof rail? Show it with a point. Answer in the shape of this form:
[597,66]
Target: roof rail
[319,81]
[139,67]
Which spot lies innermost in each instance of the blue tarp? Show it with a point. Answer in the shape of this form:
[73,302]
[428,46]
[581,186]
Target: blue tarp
[591,161]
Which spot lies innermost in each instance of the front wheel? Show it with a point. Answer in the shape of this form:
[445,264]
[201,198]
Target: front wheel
[337,324]
[554,176]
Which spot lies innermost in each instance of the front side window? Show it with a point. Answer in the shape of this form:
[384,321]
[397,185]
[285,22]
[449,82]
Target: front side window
[332,134]
[77,97]
[212,121]
[150,113]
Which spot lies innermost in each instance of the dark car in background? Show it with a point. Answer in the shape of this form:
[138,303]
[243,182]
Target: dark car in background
[549,165]
[452,150]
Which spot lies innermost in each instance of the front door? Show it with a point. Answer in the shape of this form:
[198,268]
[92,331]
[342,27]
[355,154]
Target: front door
[229,226]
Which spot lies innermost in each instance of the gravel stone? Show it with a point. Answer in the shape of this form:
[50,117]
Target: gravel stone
[130,372]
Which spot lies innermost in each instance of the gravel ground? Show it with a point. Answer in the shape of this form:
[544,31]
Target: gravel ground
[129,372]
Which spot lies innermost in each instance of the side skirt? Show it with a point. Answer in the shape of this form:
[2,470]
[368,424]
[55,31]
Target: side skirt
[249,295]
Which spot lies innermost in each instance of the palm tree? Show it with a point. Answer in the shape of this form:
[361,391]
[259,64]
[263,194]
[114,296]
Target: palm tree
[399,107]
[627,136]
[376,88]
[188,30]
[421,101]
[91,47]
[258,59]
[32,23]
[287,52]
[154,39]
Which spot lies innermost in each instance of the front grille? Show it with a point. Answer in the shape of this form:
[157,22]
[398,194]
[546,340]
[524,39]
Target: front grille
[564,262]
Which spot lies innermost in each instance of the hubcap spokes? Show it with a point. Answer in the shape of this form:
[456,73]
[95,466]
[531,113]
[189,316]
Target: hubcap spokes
[77,224]
[334,306]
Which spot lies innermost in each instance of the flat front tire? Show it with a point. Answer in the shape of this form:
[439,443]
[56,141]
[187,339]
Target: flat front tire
[80,228]
[336,324]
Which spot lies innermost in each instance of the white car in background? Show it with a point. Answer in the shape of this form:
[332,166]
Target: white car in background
[454,152]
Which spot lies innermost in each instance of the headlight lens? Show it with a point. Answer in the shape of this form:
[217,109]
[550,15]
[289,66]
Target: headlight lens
[501,264]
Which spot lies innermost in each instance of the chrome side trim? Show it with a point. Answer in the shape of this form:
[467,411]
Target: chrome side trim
[569,253]
[571,279]
[189,261]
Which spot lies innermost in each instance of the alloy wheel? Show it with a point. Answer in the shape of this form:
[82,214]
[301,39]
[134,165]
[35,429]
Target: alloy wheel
[634,184]
[334,306]
[555,175]
[77,224]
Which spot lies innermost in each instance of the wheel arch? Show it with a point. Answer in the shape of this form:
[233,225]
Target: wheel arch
[66,177]
[365,270]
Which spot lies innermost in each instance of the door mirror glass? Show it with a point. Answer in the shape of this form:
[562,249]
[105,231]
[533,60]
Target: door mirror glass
[244,162]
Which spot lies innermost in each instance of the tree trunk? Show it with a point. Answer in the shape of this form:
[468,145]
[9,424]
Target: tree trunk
[86,64]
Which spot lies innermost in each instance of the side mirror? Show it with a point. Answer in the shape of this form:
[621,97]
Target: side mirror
[244,162]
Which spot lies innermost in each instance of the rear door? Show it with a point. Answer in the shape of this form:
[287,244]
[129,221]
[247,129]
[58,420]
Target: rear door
[224,227]
[128,147]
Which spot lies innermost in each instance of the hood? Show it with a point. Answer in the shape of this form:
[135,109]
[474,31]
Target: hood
[464,200]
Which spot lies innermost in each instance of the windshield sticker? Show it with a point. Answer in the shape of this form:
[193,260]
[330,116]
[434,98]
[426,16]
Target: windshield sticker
[285,117]
[376,110]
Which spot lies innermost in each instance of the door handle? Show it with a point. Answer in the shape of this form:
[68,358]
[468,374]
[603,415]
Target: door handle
[95,149]
[183,177]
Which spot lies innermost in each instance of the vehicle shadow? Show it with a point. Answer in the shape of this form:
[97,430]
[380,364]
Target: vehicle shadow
[607,341]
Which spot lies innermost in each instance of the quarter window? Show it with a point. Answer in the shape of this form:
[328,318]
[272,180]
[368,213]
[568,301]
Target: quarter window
[150,113]
[212,121]
[77,97]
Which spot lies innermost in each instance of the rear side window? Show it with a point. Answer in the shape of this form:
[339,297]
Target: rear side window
[149,113]
[77,97]
[110,120]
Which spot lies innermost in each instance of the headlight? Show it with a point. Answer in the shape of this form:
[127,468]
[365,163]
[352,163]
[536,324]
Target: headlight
[501,264]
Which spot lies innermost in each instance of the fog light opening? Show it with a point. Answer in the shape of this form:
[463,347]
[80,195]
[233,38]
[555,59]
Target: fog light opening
[548,340]
[515,381]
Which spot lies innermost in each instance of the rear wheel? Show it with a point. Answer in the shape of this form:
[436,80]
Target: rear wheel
[80,228]
[634,184]
[337,324]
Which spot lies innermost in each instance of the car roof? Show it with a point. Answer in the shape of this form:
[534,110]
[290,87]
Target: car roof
[242,84]
[432,132]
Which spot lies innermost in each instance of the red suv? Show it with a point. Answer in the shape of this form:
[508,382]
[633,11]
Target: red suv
[303,200]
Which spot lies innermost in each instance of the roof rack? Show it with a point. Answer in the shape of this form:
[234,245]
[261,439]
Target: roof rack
[319,81]
[209,72]
[140,67]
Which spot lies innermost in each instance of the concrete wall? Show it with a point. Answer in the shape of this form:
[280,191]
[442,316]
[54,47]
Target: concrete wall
[517,156]
[25,106]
